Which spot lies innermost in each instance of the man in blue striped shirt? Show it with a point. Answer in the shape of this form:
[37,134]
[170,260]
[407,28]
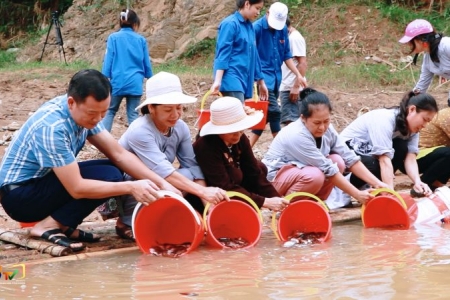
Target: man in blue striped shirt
[40,179]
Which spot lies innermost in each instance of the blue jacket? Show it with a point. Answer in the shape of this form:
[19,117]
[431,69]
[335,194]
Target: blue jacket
[127,62]
[273,49]
[236,54]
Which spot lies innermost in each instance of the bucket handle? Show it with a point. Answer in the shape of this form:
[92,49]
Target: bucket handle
[202,104]
[381,190]
[289,197]
[205,96]
[234,194]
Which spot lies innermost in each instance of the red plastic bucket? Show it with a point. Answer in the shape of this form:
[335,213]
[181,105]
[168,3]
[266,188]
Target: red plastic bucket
[385,211]
[203,115]
[259,105]
[432,209]
[305,216]
[27,224]
[233,219]
[168,220]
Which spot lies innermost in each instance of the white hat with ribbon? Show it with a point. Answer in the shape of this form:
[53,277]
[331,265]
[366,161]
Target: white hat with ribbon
[165,88]
[228,116]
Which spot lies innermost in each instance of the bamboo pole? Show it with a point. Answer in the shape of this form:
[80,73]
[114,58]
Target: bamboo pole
[23,240]
[81,256]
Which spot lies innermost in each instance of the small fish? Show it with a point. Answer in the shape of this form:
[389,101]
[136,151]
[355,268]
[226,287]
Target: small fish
[233,243]
[170,250]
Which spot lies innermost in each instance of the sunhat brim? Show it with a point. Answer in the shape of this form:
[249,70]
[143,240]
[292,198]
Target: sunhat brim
[168,98]
[247,122]
[405,39]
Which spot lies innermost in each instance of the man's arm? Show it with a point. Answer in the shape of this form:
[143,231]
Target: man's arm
[143,191]
[127,161]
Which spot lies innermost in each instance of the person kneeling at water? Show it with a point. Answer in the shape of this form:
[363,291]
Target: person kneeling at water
[387,140]
[160,136]
[309,156]
[226,158]
[41,179]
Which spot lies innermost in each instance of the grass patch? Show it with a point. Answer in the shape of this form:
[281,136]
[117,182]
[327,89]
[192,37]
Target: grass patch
[364,75]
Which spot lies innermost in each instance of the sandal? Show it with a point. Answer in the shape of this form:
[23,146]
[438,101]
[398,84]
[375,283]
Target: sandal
[83,236]
[125,232]
[57,237]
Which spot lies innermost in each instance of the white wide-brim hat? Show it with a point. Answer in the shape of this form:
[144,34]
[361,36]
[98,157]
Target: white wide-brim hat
[228,116]
[277,15]
[165,88]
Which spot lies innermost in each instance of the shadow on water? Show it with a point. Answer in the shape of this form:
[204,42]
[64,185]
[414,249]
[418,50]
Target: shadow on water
[356,263]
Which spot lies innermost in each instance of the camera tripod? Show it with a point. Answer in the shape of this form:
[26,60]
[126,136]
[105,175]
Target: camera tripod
[59,39]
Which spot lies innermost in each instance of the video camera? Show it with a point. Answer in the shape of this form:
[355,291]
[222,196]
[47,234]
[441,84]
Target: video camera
[55,14]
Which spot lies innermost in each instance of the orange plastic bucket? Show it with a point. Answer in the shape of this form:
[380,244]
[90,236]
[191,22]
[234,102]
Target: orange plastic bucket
[259,105]
[306,216]
[385,211]
[168,220]
[203,115]
[432,209]
[233,219]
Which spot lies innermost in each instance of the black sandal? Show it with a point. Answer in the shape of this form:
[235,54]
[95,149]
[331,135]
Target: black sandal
[57,237]
[83,236]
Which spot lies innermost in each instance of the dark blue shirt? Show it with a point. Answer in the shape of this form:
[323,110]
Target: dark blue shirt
[236,54]
[273,49]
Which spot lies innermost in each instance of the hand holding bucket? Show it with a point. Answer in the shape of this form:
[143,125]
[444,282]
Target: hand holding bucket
[385,211]
[232,220]
[306,216]
[170,220]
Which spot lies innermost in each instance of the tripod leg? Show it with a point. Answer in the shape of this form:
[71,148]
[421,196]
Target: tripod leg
[46,39]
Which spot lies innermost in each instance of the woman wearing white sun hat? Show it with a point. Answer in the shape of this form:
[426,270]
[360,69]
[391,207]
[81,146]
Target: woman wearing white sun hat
[422,37]
[157,138]
[226,158]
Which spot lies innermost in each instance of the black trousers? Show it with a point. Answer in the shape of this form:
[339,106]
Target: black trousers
[47,196]
[398,162]
[435,166]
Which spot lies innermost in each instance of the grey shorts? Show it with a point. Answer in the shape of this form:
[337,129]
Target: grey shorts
[289,111]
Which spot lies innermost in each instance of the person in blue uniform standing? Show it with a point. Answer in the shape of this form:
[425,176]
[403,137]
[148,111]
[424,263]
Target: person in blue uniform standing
[272,42]
[126,64]
[236,61]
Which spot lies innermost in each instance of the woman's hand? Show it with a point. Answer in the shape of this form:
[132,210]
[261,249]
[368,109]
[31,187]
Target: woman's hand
[215,88]
[422,188]
[363,196]
[214,195]
[380,185]
[275,203]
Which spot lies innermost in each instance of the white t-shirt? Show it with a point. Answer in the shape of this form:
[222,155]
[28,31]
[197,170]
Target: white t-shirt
[298,48]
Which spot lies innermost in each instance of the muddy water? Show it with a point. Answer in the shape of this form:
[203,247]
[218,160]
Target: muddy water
[356,263]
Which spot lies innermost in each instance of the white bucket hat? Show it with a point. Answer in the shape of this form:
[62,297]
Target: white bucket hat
[165,88]
[277,15]
[228,116]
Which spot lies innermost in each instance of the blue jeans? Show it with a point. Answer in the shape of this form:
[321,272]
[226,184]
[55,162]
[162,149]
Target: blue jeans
[290,112]
[273,114]
[132,114]
[239,95]
[46,196]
